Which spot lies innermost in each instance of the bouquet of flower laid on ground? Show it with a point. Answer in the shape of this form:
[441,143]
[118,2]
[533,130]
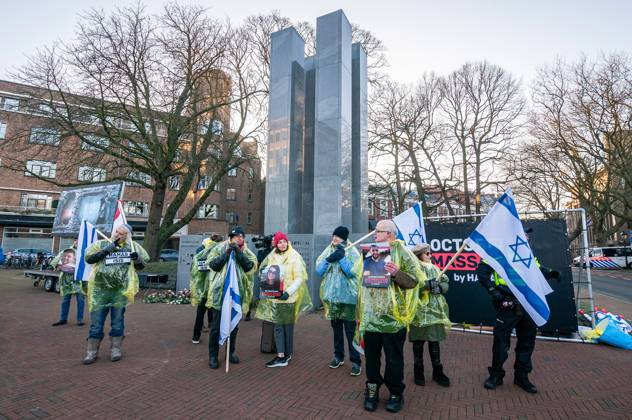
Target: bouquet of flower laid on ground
[183,297]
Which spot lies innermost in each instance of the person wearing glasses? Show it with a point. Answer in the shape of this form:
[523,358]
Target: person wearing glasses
[384,315]
[431,320]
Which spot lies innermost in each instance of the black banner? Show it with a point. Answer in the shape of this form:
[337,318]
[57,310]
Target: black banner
[469,301]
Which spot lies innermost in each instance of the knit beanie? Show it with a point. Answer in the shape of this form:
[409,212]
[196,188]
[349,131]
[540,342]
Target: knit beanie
[341,232]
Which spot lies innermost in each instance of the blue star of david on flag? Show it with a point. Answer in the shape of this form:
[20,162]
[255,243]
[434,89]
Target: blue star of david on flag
[516,255]
[413,235]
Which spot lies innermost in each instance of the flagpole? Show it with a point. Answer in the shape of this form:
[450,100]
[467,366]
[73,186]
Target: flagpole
[360,240]
[452,260]
[227,353]
[103,235]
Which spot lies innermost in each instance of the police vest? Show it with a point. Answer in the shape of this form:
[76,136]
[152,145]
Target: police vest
[499,281]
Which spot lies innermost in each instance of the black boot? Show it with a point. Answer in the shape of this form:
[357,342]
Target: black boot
[437,368]
[522,380]
[418,370]
[371,396]
[395,403]
[495,379]
[213,363]
[233,357]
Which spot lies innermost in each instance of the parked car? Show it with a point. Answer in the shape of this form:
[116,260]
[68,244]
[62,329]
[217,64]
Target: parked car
[169,255]
[613,257]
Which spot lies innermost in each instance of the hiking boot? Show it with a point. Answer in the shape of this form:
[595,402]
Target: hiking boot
[60,322]
[395,403]
[371,397]
[439,377]
[356,369]
[92,351]
[233,359]
[522,380]
[277,362]
[493,381]
[336,363]
[213,363]
[115,348]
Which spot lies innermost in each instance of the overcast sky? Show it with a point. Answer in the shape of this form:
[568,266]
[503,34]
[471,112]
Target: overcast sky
[419,35]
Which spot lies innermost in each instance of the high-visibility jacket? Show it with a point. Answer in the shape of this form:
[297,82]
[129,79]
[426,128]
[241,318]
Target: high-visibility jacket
[499,281]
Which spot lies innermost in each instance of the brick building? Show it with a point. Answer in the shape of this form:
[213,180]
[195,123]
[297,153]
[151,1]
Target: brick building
[27,204]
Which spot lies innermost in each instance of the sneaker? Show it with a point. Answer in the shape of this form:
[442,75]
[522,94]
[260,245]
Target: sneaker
[356,369]
[195,340]
[336,363]
[60,322]
[277,362]
[395,403]
[288,357]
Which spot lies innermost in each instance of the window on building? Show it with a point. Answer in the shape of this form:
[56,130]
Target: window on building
[41,168]
[217,187]
[250,195]
[204,182]
[138,176]
[45,109]
[48,136]
[136,208]
[232,217]
[208,211]
[232,172]
[91,174]
[383,208]
[10,104]
[249,218]
[3,129]
[251,173]
[371,211]
[138,148]
[95,143]
[231,194]
[174,183]
[36,201]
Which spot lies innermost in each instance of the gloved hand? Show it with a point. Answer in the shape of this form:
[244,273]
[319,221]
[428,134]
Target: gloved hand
[337,255]
[134,256]
[433,286]
[496,295]
[111,247]
[554,274]
[284,296]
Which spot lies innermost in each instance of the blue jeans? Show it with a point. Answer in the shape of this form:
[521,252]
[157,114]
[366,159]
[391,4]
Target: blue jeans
[97,320]
[65,307]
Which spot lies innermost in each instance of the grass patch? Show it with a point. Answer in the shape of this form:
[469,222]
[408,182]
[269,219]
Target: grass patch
[170,268]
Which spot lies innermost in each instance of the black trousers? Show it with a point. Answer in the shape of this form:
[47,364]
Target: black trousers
[506,321]
[199,318]
[213,335]
[393,345]
[338,325]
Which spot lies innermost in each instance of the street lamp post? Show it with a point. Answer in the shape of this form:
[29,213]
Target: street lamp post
[626,247]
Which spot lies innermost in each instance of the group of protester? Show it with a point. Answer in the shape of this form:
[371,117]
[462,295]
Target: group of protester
[410,303]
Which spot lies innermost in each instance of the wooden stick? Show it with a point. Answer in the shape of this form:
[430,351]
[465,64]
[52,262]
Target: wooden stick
[452,260]
[227,353]
[103,235]
[360,240]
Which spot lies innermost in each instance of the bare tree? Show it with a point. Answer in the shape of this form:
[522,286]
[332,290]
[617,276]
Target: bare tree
[150,99]
[482,105]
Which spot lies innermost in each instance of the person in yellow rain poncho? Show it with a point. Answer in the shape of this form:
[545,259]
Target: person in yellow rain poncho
[65,263]
[246,267]
[341,273]
[198,285]
[284,310]
[112,285]
[385,311]
[431,320]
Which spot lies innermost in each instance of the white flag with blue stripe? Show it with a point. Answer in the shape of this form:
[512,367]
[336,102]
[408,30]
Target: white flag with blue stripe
[410,226]
[500,240]
[87,236]
[231,302]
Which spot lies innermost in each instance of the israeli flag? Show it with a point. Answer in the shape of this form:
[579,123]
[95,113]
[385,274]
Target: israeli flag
[87,236]
[410,226]
[231,302]
[500,240]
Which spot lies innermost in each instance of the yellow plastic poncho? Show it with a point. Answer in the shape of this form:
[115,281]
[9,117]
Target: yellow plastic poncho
[286,311]
[113,285]
[340,283]
[432,319]
[216,279]
[198,284]
[390,309]
[67,283]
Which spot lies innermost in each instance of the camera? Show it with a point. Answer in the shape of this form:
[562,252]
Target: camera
[263,242]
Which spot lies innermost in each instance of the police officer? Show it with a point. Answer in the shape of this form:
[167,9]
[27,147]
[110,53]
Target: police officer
[509,315]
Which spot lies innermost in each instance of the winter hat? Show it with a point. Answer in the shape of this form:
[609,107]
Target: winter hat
[128,227]
[420,249]
[277,237]
[237,230]
[341,232]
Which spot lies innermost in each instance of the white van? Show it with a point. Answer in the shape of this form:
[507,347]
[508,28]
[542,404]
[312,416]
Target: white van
[610,257]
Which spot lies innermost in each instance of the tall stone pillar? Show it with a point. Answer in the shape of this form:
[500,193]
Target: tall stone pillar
[332,141]
[359,138]
[307,222]
[285,139]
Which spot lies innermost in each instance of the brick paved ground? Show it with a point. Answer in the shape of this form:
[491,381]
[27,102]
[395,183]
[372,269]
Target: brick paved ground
[163,375]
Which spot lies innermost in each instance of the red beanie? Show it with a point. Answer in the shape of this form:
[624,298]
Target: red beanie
[277,237]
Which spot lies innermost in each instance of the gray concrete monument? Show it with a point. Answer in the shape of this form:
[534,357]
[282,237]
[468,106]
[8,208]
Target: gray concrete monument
[317,175]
